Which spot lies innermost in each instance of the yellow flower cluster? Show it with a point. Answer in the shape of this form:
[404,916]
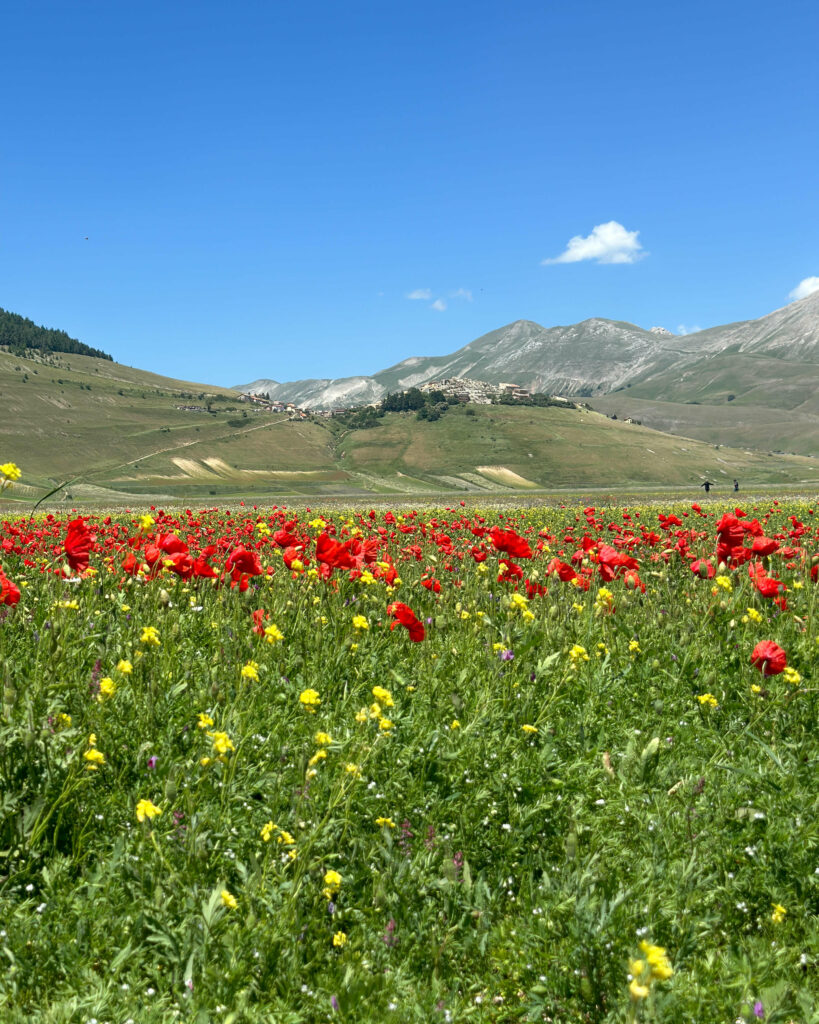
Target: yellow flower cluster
[383,699]
[272,634]
[578,653]
[283,837]
[653,966]
[147,809]
[310,700]
[150,635]
[332,884]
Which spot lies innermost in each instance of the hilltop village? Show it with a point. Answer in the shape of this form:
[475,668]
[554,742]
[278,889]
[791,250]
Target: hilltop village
[461,390]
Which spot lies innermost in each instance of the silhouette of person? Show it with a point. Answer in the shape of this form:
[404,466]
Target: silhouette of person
[707,485]
[736,485]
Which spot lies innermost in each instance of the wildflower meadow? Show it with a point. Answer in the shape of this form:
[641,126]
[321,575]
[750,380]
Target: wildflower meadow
[413,765]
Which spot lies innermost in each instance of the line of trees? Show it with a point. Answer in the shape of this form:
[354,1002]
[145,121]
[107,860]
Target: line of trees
[21,334]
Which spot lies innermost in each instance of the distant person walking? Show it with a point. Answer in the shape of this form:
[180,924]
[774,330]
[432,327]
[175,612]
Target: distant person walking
[736,486]
[707,485]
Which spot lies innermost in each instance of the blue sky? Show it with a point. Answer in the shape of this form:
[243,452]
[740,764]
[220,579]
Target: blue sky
[221,192]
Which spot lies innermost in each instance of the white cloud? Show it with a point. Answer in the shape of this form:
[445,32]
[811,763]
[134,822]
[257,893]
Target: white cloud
[420,293]
[805,288]
[438,304]
[461,293]
[682,329]
[608,243]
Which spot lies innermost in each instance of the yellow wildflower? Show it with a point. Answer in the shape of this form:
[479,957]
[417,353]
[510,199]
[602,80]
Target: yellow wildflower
[107,688]
[778,915]
[150,635]
[11,471]
[339,939]
[529,728]
[320,755]
[383,696]
[707,700]
[222,743]
[332,884]
[124,667]
[658,961]
[360,622]
[205,721]
[251,671]
[229,900]
[310,700]
[94,758]
[146,522]
[385,822]
[455,724]
[147,809]
[353,769]
[267,831]
[637,990]
[323,739]
[272,634]
[384,724]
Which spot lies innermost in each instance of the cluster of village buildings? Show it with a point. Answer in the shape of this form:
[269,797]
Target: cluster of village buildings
[455,389]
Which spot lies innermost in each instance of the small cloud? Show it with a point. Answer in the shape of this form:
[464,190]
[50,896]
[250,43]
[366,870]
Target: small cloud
[420,293]
[805,288]
[461,293]
[438,304]
[682,329]
[608,243]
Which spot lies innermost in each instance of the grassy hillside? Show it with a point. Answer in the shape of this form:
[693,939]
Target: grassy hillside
[485,446]
[122,435]
[734,398]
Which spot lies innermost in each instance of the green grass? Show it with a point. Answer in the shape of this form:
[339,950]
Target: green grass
[525,865]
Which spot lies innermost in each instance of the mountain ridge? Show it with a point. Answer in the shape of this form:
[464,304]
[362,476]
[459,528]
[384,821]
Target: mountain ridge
[596,355]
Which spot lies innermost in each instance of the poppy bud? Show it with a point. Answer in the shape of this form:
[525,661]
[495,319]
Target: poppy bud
[164,596]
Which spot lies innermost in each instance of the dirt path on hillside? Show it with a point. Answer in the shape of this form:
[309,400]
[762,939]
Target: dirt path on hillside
[186,444]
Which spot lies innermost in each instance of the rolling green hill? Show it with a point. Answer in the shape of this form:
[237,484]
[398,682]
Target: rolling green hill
[122,435]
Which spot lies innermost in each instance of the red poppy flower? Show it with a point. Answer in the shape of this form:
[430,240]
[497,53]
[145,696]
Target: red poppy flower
[405,616]
[333,554]
[77,545]
[564,572]
[765,546]
[769,658]
[767,585]
[512,571]
[9,591]
[509,542]
[243,561]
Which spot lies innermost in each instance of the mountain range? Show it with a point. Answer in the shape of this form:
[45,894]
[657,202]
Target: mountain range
[754,382]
